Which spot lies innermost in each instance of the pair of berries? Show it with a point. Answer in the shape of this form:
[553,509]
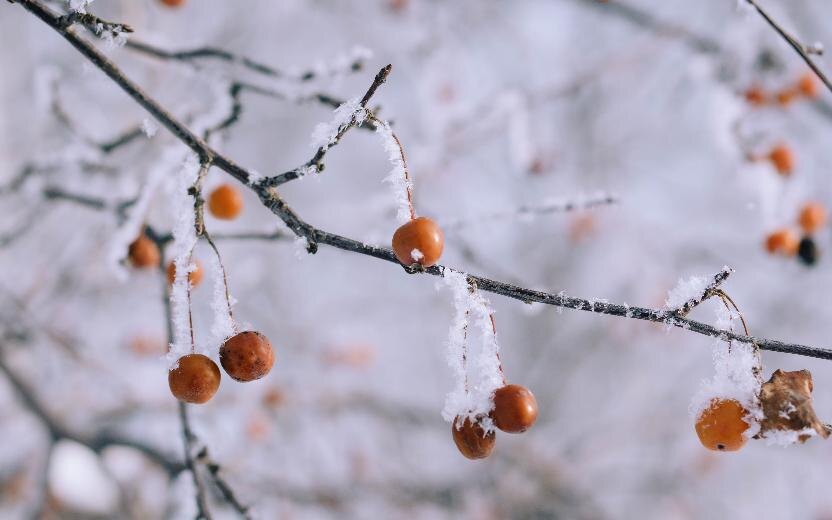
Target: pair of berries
[515,411]
[246,356]
[785,241]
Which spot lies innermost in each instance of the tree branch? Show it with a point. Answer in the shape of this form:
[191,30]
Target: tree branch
[272,200]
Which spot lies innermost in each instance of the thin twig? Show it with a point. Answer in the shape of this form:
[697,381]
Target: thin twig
[801,49]
[709,291]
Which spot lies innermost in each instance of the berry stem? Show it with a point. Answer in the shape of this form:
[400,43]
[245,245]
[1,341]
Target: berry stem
[499,361]
[224,276]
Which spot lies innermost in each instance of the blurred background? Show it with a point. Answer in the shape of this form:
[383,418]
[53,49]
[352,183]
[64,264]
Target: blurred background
[498,105]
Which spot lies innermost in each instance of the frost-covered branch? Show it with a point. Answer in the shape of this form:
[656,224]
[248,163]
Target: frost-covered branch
[314,236]
[803,50]
[680,302]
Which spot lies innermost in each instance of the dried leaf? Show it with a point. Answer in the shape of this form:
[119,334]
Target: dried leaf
[786,400]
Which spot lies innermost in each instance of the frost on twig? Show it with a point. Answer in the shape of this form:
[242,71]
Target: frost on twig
[692,291]
[223,326]
[399,178]
[475,365]
[349,114]
[184,240]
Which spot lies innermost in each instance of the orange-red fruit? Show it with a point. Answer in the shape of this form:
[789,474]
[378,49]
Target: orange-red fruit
[783,241]
[786,96]
[782,157]
[144,253]
[195,276]
[420,241]
[195,379]
[173,3]
[515,409]
[471,440]
[808,85]
[247,356]
[756,96]
[225,202]
[721,427]
[812,217]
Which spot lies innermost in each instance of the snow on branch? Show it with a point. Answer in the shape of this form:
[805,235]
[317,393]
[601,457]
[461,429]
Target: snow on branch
[692,291]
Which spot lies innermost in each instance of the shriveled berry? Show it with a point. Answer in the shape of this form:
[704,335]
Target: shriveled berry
[144,253]
[782,158]
[247,356]
[471,439]
[419,241]
[783,241]
[812,217]
[225,202]
[722,426]
[195,379]
[195,276]
[807,251]
[515,409]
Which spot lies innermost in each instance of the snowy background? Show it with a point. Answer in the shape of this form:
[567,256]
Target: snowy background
[499,105]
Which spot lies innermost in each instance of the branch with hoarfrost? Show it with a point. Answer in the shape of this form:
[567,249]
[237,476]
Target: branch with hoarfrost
[803,50]
[315,236]
[692,292]
[529,211]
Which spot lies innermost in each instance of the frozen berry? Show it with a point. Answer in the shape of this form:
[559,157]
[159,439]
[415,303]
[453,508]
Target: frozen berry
[515,409]
[420,241]
[785,97]
[225,202]
[471,439]
[756,96]
[144,253]
[812,217]
[195,276]
[195,379]
[808,85]
[722,426]
[807,251]
[782,157]
[783,241]
[247,356]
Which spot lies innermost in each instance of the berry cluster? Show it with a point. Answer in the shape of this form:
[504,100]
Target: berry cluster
[805,87]
[787,242]
[514,411]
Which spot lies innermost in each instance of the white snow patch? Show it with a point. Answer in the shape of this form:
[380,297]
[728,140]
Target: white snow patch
[397,177]
[149,127]
[686,290]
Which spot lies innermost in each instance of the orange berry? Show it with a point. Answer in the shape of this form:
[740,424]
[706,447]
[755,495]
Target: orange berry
[783,241]
[756,96]
[782,157]
[812,217]
[420,241]
[722,425]
[225,202]
[172,3]
[195,379]
[144,253]
[247,356]
[195,276]
[515,409]
[808,85]
[786,96]
[471,439]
